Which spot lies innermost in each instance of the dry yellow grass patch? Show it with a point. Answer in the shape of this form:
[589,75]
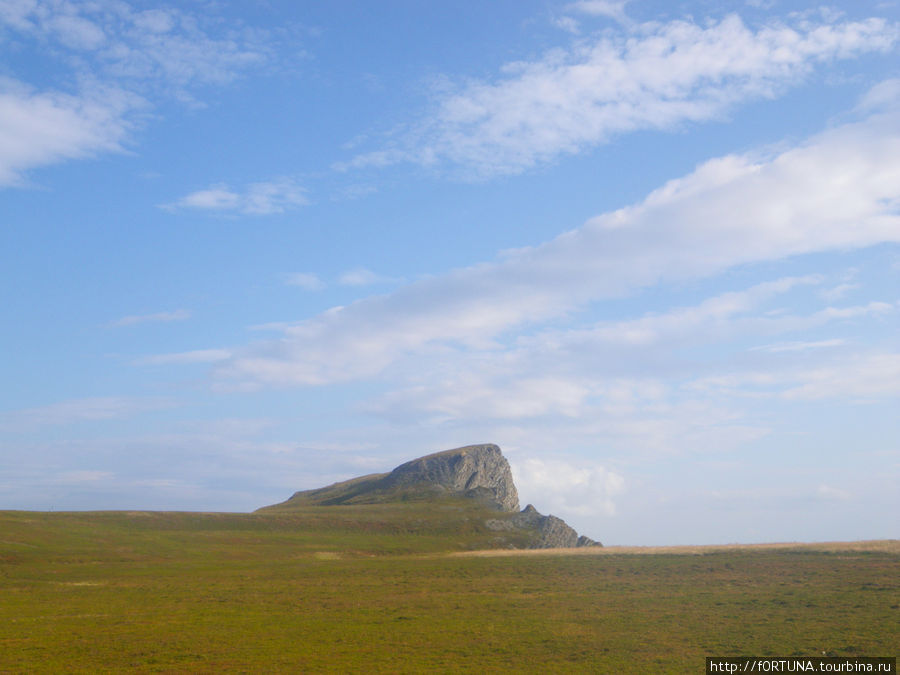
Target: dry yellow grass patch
[327,555]
[883,545]
[81,583]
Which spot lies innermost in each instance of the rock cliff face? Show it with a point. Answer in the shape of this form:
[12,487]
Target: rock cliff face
[479,471]
[553,531]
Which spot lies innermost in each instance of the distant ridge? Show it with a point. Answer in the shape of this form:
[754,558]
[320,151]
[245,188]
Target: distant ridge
[477,472]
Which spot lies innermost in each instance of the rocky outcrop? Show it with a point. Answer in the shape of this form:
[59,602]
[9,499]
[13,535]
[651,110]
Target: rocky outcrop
[478,471]
[551,532]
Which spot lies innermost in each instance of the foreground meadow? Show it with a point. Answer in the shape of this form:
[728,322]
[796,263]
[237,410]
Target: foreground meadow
[178,592]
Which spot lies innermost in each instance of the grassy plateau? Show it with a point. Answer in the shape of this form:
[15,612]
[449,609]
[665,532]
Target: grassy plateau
[407,588]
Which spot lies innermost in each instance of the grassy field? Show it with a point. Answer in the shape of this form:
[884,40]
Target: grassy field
[350,589]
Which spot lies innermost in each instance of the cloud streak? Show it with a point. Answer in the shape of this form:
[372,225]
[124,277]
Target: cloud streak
[361,276]
[158,317]
[305,280]
[862,377]
[641,379]
[158,47]
[257,199]
[183,358]
[93,409]
[837,191]
[655,76]
[120,58]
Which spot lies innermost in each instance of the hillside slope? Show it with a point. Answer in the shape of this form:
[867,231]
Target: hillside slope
[477,478]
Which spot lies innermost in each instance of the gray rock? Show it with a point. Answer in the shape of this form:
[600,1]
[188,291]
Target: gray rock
[478,471]
[552,532]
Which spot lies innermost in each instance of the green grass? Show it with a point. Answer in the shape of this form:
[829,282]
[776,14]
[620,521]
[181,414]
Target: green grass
[372,589]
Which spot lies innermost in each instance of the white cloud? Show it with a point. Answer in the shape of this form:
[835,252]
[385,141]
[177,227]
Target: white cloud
[860,377]
[305,280]
[361,276]
[828,492]
[263,198]
[77,32]
[217,197]
[544,393]
[177,315]
[614,9]
[883,95]
[195,356]
[838,191]
[121,58]
[352,192]
[657,76]
[839,291]
[502,388]
[274,196]
[725,313]
[42,128]
[567,23]
[720,317]
[863,377]
[635,384]
[158,47]
[15,13]
[800,346]
[564,489]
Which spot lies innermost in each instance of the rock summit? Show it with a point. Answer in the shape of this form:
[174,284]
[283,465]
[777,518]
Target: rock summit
[478,471]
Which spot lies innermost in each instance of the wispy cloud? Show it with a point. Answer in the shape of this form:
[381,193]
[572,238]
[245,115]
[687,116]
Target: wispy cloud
[730,211]
[158,317]
[718,318]
[182,358]
[828,492]
[863,377]
[160,47]
[263,198]
[361,276]
[83,476]
[614,9]
[499,386]
[724,313]
[120,59]
[839,291]
[800,346]
[618,371]
[656,76]
[305,280]
[859,377]
[78,410]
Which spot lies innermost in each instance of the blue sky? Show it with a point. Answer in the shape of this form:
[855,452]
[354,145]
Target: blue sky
[648,248]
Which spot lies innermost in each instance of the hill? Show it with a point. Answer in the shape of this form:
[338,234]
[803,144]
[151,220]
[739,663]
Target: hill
[476,478]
